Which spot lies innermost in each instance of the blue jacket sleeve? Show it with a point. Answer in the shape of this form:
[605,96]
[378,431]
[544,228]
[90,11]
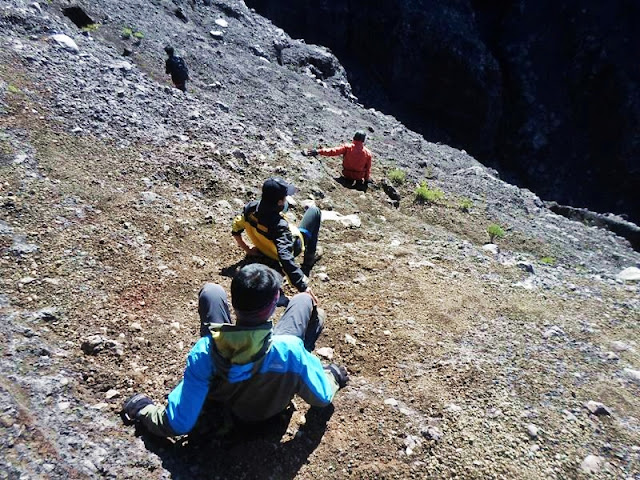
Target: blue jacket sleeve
[318,386]
[187,399]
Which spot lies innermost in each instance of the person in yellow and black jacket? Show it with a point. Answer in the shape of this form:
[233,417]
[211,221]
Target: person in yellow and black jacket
[277,239]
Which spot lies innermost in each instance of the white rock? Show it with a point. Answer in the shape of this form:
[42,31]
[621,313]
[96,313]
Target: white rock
[349,339]
[111,394]
[325,352]
[553,331]
[322,277]
[491,248]
[631,274]
[452,407]
[386,332]
[217,34]
[62,406]
[632,374]
[391,402]
[620,346]
[136,326]
[349,221]
[591,464]
[597,408]
[175,325]
[65,42]
[221,22]
[533,430]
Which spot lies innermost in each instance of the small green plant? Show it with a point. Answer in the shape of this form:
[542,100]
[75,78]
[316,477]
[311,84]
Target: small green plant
[92,27]
[397,176]
[495,231]
[138,35]
[424,194]
[548,260]
[127,32]
[13,89]
[465,205]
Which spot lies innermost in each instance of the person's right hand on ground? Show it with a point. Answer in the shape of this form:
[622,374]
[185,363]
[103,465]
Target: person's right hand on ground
[339,373]
[310,153]
[312,295]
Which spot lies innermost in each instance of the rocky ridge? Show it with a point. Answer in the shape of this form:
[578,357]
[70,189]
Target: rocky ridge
[117,192]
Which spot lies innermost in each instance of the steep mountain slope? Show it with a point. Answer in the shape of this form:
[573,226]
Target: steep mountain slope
[117,193]
[546,91]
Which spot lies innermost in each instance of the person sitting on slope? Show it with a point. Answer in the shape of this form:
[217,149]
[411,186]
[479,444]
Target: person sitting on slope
[356,160]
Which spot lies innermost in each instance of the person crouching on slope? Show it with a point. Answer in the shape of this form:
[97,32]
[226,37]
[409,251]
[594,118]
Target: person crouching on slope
[249,369]
[356,160]
[277,239]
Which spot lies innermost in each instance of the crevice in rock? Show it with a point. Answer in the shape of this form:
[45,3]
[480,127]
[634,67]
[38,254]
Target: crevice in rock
[78,16]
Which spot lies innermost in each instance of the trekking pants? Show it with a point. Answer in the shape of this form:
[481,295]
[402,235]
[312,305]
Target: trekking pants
[310,228]
[300,318]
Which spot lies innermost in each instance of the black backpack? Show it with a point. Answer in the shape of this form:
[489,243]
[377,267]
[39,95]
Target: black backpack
[179,69]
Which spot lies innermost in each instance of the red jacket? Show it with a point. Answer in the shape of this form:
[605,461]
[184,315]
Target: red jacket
[356,162]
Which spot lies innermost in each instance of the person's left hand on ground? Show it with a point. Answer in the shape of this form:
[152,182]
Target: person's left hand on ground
[133,405]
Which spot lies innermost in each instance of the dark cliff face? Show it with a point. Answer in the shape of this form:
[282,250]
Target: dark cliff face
[547,91]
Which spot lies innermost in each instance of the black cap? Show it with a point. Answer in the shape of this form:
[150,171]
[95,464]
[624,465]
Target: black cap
[275,189]
[360,136]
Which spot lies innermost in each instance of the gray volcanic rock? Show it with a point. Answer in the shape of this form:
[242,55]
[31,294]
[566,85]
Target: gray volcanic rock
[547,90]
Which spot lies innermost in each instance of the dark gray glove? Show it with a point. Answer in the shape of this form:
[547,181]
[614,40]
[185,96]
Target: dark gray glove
[132,406]
[339,373]
[312,153]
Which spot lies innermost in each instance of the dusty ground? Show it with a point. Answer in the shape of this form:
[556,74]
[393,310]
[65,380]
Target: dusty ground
[463,365]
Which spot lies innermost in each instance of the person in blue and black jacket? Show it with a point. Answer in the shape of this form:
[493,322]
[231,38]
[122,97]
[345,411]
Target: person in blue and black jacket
[250,368]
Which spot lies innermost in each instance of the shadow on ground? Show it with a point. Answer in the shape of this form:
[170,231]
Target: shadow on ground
[221,450]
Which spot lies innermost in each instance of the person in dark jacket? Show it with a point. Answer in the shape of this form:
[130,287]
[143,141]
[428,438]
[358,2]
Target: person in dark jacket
[177,68]
[276,238]
[249,369]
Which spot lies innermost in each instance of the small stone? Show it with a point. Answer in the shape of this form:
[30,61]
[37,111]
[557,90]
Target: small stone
[351,320]
[597,408]
[526,266]
[66,42]
[553,331]
[620,346]
[349,339]
[491,248]
[591,464]
[632,374]
[452,407]
[325,352]
[217,34]
[62,406]
[532,430]
[135,326]
[432,433]
[111,394]
[175,325]
[392,402]
[221,22]
[99,406]
[631,274]
[386,332]
[323,277]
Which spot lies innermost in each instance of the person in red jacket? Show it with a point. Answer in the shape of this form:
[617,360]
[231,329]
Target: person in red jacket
[356,160]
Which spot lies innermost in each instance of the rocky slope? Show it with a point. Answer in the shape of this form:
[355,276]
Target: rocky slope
[117,193]
[546,91]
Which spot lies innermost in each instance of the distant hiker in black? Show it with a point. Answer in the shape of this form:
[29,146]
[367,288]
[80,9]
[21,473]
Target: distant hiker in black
[178,70]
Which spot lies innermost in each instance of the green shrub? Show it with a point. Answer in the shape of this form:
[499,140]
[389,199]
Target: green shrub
[424,194]
[138,35]
[495,231]
[397,176]
[548,260]
[127,32]
[13,89]
[465,204]
[92,27]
